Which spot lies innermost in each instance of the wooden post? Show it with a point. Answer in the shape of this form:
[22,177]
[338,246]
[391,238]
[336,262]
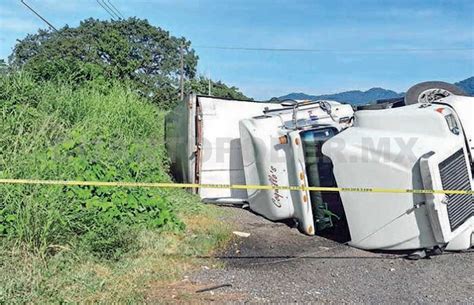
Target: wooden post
[181,80]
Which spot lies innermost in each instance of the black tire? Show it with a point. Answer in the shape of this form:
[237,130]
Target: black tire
[414,93]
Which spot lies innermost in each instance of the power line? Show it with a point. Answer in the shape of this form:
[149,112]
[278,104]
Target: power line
[116,9]
[39,16]
[107,10]
[355,51]
[113,12]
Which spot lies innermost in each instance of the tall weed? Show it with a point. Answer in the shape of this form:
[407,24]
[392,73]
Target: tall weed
[54,131]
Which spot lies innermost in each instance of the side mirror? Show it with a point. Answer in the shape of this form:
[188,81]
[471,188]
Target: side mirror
[289,103]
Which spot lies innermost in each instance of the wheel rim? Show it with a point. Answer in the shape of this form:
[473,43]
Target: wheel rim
[431,95]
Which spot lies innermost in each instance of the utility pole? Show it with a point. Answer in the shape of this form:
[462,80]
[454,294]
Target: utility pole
[209,84]
[181,78]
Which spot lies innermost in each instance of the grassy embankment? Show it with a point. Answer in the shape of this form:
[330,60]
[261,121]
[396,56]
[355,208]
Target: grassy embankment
[90,243]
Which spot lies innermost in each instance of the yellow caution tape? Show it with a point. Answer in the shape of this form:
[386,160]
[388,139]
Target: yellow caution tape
[230,186]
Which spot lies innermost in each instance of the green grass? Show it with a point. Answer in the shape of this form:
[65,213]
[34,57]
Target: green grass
[90,243]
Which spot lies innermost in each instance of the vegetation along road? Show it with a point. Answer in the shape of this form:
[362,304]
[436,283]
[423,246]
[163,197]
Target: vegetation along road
[88,103]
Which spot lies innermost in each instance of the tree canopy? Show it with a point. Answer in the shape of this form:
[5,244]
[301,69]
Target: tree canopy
[131,50]
[146,57]
[3,67]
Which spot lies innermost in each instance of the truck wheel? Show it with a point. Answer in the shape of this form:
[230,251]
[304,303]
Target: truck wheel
[431,91]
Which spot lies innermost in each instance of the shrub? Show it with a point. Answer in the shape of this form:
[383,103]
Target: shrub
[58,132]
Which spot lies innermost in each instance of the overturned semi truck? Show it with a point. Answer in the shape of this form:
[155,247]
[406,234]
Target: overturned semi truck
[422,142]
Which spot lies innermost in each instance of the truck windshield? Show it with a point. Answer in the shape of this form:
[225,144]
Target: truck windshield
[319,173]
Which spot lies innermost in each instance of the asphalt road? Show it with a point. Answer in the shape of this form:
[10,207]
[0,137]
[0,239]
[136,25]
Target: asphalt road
[276,263]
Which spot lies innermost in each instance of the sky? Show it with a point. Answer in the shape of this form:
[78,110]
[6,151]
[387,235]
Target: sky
[362,44]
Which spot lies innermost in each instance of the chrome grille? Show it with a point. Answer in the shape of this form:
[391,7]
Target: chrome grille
[455,176]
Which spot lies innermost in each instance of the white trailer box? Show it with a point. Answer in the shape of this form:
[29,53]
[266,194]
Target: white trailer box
[203,142]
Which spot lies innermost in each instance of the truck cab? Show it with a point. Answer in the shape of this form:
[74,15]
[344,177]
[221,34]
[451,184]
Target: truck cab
[420,146]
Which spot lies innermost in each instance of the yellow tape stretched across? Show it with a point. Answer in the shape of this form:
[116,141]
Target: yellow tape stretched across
[229,186]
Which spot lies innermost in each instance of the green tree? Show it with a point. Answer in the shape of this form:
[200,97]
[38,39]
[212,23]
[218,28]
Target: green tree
[201,85]
[3,67]
[131,50]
